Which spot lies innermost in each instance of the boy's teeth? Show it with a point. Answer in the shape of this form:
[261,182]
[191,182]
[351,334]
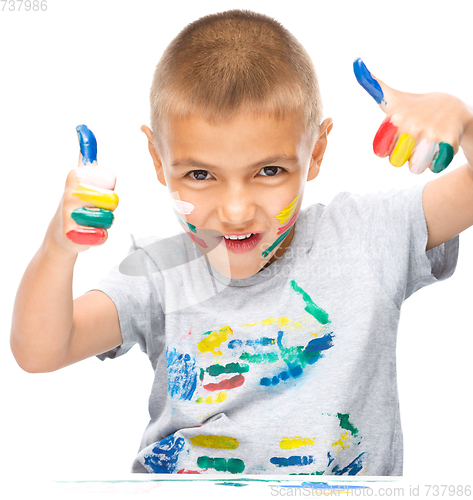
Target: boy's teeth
[238,237]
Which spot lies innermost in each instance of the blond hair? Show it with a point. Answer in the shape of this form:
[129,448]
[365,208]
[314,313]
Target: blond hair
[231,61]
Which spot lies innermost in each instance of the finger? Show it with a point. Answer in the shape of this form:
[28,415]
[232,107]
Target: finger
[403,150]
[385,138]
[93,217]
[443,159]
[82,235]
[88,145]
[105,199]
[423,155]
[372,85]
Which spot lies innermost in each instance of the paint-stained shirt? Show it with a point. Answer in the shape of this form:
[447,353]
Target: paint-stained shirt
[292,370]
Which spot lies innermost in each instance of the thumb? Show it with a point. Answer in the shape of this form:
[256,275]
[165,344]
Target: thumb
[377,89]
[88,146]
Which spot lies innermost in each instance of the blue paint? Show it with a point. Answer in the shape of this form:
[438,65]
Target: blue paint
[366,80]
[294,460]
[88,144]
[182,374]
[234,344]
[351,469]
[312,353]
[163,457]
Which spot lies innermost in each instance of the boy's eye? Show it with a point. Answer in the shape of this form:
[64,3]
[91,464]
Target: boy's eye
[271,171]
[199,175]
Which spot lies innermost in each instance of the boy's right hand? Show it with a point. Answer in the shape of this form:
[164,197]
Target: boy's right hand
[85,211]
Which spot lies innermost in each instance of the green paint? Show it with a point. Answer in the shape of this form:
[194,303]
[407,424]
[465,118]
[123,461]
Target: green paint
[207,333]
[93,217]
[443,158]
[233,465]
[313,309]
[346,424]
[201,377]
[276,243]
[215,370]
[190,226]
[292,355]
[267,357]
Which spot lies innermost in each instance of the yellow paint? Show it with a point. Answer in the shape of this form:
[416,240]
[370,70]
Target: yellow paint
[286,213]
[404,147]
[269,321]
[199,400]
[295,442]
[208,401]
[218,442]
[214,340]
[342,441]
[107,201]
[283,321]
[220,397]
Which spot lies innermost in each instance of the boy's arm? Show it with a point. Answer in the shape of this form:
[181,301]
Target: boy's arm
[427,130]
[49,329]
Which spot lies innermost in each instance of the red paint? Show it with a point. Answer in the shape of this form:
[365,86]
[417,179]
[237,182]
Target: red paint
[242,246]
[384,138]
[185,471]
[283,229]
[87,235]
[197,240]
[230,383]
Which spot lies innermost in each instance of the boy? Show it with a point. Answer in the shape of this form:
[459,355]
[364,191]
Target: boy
[271,330]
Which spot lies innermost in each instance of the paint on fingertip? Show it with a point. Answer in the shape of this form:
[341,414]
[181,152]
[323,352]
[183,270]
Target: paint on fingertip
[87,235]
[88,144]
[443,159]
[384,138]
[366,80]
[423,155]
[404,147]
[93,217]
[99,177]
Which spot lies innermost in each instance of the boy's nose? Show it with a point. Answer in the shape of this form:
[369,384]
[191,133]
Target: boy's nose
[236,207]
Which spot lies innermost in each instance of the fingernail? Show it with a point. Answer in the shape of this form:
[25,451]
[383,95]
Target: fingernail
[93,218]
[443,159]
[384,138]
[88,144]
[423,156]
[87,235]
[403,150]
[366,80]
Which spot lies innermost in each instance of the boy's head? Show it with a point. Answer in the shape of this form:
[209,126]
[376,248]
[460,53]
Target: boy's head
[236,117]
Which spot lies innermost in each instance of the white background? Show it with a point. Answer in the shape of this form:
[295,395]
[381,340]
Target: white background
[92,62]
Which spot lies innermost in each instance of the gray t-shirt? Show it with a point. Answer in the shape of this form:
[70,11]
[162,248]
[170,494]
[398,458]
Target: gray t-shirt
[292,370]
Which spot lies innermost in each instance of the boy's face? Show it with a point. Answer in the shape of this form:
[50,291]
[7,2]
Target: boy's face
[243,177]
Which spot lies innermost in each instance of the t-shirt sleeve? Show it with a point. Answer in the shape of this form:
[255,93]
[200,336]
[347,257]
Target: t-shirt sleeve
[139,310]
[391,230]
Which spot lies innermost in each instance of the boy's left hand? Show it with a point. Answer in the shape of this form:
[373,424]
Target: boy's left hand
[424,129]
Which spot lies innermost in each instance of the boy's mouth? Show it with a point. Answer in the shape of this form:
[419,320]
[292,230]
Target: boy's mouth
[241,243]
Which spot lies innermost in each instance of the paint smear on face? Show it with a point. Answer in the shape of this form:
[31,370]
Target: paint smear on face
[286,213]
[295,442]
[183,207]
[217,442]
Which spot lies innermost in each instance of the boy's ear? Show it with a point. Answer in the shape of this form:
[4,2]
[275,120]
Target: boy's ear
[319,149]
[154,154]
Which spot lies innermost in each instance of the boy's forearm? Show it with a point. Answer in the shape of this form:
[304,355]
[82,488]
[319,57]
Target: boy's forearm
[467,140]
[43,311]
